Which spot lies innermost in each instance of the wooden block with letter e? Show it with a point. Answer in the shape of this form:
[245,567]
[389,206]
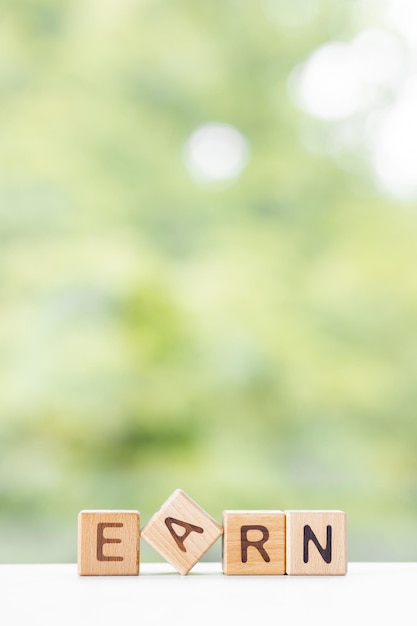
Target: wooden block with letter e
[253,543]
[316,543]
[181,531]
[108,543]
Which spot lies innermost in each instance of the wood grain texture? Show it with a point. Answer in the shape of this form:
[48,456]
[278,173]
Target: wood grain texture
[316,543]
[108,543]
[253,543]
[181,531]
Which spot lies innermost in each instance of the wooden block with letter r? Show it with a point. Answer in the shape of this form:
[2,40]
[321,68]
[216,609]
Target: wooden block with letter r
[108,543]
[181,531]
[253,543]
[316,543]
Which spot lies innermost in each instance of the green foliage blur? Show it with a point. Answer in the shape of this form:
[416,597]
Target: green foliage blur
[253,343]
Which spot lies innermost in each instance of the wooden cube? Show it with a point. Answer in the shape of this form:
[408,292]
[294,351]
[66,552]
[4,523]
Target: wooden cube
[253,543]
[316,543]
[108,543]
[181,531]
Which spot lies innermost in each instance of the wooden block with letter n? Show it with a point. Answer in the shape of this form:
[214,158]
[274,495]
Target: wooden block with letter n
[316,543]
[181,531]
[108,543]
[254,543]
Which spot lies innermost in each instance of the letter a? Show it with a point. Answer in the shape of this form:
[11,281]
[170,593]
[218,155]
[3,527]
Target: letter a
[188,528]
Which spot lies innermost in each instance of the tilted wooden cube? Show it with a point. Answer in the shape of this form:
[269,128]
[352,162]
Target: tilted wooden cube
[316,543]
[254,543]
[108,543]
[181,531]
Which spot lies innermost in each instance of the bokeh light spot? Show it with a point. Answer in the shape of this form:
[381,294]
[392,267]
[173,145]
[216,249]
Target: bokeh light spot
[216,152]
[393,144]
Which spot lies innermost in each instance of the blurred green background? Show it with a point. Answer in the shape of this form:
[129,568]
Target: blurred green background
[200,287]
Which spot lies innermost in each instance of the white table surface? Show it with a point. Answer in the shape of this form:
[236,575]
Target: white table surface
[46,595]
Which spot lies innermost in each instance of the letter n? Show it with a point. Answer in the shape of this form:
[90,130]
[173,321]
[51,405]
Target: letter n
[326,552]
